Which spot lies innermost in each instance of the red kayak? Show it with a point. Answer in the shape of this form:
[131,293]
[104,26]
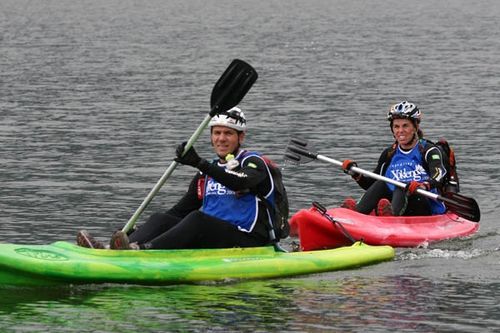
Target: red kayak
[316,232]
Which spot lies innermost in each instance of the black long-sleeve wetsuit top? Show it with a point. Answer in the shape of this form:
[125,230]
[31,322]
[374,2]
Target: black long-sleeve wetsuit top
[434,165]
[253,178]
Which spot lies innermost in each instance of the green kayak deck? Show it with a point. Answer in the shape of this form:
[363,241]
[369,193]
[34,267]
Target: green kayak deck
[65,263]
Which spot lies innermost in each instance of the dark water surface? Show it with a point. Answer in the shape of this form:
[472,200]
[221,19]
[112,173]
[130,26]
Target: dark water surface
[95,95]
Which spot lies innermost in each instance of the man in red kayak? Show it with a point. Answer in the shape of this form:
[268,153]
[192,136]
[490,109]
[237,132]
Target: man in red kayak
[412,160]
[222,207]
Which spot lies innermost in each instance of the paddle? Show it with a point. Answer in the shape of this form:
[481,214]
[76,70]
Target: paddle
[229,90]
[322,210]
[459,204]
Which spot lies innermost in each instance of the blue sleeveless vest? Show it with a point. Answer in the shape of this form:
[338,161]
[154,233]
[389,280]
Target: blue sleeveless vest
[239,209]
[408,166]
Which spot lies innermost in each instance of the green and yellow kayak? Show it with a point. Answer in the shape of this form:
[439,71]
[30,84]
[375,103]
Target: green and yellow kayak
[65,263]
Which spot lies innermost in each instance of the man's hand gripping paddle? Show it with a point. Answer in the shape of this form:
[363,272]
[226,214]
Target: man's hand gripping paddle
[229,90]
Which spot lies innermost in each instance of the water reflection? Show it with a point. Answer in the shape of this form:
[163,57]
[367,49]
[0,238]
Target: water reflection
[398,303]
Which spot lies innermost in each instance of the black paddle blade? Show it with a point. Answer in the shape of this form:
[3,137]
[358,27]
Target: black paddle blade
[462,206]
[232,86]
[297,151]
[298,142]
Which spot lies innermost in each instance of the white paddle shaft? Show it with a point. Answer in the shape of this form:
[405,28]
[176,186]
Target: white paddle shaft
[378,177]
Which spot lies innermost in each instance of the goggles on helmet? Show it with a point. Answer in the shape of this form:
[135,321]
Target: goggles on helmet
[233,118]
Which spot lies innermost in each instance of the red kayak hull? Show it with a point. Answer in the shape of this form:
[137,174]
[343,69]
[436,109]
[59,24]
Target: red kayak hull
[316,232]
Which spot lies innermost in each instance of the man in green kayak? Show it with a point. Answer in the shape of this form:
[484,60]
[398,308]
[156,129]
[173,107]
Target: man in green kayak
[222,206]
[412,160]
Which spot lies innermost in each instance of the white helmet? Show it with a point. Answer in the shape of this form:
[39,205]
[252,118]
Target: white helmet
[404,110]
[232,118]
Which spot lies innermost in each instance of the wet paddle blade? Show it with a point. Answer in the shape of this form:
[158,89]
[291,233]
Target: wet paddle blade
[462,206]
[232,86]
[297,151]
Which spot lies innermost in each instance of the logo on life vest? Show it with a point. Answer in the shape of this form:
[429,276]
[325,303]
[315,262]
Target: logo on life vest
[403,174]
[215,188]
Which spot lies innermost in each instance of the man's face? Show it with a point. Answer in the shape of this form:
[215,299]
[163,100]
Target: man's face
[225,140]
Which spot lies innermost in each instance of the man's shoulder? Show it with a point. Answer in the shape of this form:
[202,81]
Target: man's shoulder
[253,157]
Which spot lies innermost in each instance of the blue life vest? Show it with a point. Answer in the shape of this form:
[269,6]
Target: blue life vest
[239,209]
[406,166]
